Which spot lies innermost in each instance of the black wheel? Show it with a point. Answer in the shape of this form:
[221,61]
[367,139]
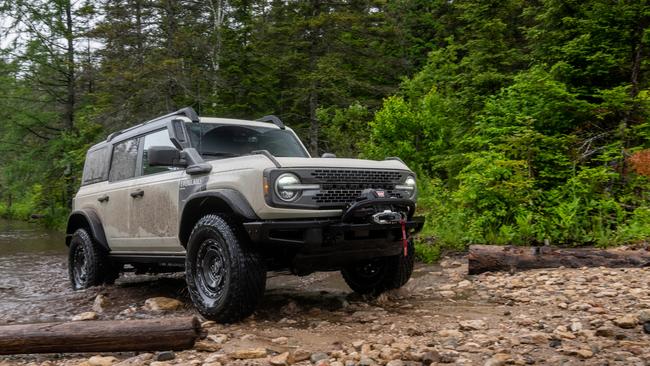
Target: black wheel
[88,264]
[377,275]
[225,275]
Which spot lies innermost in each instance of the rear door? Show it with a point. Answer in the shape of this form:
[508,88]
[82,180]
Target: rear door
[154,201]
[115,198]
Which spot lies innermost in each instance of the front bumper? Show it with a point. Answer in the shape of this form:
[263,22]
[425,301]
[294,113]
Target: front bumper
[321,245]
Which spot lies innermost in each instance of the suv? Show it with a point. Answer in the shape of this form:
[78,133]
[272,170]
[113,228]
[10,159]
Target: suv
[228,200]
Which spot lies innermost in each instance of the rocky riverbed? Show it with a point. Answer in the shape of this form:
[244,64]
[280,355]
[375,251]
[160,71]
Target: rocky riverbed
[589,316]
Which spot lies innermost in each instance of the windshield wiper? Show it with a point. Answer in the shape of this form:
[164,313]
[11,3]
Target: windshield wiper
[219,153]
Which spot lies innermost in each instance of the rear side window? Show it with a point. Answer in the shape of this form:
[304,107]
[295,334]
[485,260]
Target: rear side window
[96,166]
[125,156]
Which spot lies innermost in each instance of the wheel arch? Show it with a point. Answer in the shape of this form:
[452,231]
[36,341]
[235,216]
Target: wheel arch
[88,219]
[227,201]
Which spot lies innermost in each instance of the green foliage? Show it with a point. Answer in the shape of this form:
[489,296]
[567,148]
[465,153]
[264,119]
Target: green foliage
[344,129]
[521,118]
[522,130]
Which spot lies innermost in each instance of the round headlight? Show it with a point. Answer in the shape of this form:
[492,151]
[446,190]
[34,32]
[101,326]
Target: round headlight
[284,189]
[409,186]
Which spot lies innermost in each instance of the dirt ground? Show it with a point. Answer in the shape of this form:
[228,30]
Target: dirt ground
[589,316]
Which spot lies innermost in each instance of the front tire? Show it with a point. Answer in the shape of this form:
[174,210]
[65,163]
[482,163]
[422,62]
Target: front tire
[225,275]
[88,264]
[377,275]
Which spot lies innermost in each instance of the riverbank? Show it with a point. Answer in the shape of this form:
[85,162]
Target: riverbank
[589,316]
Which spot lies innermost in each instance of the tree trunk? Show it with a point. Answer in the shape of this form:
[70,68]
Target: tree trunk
[70,67]
[314,52]
[491,258]
[100,336]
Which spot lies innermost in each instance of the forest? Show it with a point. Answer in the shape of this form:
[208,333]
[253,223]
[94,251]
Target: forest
[525,120]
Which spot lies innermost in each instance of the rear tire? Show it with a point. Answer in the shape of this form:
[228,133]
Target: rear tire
[377,275]
[225,275]
[88,263]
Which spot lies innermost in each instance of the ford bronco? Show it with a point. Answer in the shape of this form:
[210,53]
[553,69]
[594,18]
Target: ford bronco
[226,201]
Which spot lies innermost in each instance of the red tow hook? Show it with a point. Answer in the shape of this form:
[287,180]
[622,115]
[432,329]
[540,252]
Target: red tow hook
[405,241]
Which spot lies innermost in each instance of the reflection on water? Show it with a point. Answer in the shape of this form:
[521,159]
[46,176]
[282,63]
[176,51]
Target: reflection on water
[33,273]
[22,237]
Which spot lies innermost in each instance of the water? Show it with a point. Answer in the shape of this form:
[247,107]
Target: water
[34,284]
[33,272]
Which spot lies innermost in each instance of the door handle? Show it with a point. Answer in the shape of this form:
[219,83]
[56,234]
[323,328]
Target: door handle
[138,193]
[103,198]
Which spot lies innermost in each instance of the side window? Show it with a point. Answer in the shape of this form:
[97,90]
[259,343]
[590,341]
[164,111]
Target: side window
[96,166]
[158,138]
[125,156]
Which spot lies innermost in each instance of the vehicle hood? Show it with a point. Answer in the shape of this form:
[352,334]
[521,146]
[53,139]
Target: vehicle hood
[341,163]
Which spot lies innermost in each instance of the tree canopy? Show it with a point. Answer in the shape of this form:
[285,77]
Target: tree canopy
[526,121]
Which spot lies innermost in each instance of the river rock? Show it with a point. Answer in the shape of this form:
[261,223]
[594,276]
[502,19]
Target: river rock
[162,304]
[644,316]
[646,327]
[300,355]
[450,333]
[138,360]
[100,303]
[165,356]
[207,346]
[626,322]
[473,325]
[500,359]
[88,315]
[280,340]
[250,353]
[430,357]
[102,360]
[217,357]
[534,338]
[280,360]
[367,361]
[315,357]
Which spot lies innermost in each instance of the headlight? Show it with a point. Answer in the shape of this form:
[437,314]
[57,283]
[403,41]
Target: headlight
[408,186]
[284,187]
[288,187]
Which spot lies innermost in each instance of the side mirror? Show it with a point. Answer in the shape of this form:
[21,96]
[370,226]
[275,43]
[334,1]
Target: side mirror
[164,156]
[328,155]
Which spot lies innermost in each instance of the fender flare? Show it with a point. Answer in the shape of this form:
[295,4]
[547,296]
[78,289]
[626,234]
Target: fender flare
[230,199]
[89,218]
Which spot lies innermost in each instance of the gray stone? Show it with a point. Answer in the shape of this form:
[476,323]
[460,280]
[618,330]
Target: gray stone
[315,357]
[165,356]
[430,357]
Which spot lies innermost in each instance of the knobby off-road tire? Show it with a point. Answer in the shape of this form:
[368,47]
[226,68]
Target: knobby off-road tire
[88,263]
[225,275]
[377,275]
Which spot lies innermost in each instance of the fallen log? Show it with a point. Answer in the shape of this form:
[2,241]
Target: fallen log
[100,336]
[492,258]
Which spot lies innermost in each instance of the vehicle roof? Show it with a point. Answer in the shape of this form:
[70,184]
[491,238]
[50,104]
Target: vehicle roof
[239,122]
[153,125]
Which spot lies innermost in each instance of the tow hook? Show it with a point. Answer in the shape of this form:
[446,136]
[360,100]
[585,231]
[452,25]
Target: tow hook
[388,217]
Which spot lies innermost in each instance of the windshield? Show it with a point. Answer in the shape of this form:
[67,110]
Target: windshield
[216,141]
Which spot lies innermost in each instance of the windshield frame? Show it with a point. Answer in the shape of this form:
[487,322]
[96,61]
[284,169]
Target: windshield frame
[214,155]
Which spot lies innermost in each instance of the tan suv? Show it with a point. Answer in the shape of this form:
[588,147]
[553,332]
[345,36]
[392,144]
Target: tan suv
[228,200]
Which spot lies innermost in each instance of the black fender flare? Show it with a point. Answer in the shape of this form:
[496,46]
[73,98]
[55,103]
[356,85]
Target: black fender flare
[227,199]
[88,218]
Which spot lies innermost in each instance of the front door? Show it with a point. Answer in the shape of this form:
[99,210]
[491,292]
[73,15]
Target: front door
[154,202]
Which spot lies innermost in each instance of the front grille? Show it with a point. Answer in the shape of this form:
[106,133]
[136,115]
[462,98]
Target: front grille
[340,187]
[356,176]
